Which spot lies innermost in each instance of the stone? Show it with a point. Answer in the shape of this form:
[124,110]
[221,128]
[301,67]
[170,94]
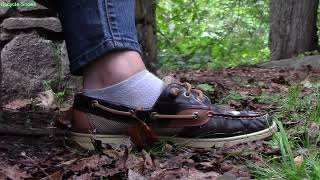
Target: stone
[48,23]
[37,7]
[71,84]
[5,35]
[4,10]
[29,62]
[297,63]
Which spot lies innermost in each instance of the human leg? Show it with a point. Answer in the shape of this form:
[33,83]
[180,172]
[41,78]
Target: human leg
[102,45]
[120,95]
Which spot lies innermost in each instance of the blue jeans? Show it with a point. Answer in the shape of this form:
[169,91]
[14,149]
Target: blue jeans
[93,28]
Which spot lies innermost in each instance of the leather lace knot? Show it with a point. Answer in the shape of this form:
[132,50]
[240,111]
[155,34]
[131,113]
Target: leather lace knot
[176,91]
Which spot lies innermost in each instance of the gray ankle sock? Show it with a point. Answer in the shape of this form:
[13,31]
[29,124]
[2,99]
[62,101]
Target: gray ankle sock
[139,91]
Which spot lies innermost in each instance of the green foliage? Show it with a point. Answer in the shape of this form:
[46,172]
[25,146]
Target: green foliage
[315,111]
[206,87]
[60,95]
[233,95]
[285,166]
[295,142]
[212,33]
[293,98]
[294,106]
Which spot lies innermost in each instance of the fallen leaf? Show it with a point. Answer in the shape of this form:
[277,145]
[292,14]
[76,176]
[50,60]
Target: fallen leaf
[132,175]
[280,80]
[167,148]
[313,132]
[194,174]
[13,172]
[55,176]
[135,163]
[169,174]
[278,88]
[85,176]
[228,176]
[298,160]
[306,83]
[240,171]
[205,166]
[47,99]
[294,124]
[183,173]
[67,163]
[93,162]
[257,91]
[147,158]
[18,104]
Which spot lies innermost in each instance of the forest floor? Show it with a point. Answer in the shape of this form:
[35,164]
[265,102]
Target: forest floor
[291,97]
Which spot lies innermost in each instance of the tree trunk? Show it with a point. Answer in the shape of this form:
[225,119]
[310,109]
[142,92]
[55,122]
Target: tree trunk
[146,25]
[293,28]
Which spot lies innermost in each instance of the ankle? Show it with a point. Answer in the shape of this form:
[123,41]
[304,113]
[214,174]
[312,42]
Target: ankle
[112,68]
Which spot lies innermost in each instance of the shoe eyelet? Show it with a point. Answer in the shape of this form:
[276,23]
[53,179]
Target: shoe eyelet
[93,103]
[152,115]
[188,95]
[197,115]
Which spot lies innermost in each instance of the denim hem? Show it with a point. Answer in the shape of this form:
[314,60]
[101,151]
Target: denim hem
[76,65]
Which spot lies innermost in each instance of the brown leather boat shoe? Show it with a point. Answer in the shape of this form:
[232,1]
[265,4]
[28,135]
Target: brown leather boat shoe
[181,115]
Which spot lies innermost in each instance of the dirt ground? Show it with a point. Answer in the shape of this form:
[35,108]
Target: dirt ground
[30,148]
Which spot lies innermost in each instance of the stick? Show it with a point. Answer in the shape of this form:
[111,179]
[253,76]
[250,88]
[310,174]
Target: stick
[31,132]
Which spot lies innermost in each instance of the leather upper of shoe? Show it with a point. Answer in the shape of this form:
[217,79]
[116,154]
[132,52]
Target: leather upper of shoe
[179,107]
[221,122]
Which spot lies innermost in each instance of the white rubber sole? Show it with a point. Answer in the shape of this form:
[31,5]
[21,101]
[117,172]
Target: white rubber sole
[85,140]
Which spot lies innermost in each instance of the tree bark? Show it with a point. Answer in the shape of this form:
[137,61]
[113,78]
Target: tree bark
[146,26]
[293,28]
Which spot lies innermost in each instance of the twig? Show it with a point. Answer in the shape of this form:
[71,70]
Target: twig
[31,132]
[44,172]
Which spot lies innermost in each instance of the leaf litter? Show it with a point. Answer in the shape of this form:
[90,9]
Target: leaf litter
[50,157]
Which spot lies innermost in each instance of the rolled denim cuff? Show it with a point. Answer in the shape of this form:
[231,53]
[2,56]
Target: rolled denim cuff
[76,65]
[93,28]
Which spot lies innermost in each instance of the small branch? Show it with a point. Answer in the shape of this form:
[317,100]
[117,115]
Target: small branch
[31,132]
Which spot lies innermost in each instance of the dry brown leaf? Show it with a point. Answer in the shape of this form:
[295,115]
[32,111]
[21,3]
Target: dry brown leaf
[55,176]
[194,174]
[257,91]
[278,87]
[298,160]
[47,99]
[13,172]
[167,148]
[169,174]
[67,163]
[147,158]
[314,131]
[306,83]
[92,163]
[132,175]
[18,104]
[85,176]
[135,163]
